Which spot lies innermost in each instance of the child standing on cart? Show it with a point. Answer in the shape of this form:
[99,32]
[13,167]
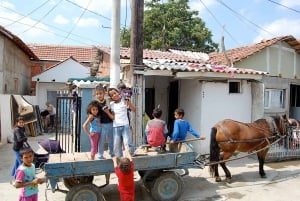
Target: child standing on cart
[124,169]
[91,126]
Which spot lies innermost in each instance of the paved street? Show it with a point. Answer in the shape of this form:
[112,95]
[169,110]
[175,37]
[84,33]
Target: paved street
[282,182]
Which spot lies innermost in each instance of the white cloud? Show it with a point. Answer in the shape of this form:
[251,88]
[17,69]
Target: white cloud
[290,3]
[59,19]
[86,22]
[280,27]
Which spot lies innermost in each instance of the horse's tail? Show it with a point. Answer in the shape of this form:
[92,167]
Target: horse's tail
[214,151]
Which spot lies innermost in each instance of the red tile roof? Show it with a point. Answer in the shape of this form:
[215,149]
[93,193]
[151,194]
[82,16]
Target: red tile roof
[238,54]
[61,53]
[87,54]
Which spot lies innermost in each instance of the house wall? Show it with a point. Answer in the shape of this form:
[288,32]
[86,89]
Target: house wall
[207,103]
[160,84]
[104,68]
[42,88]
[278,83]
[278,60]
[15,69]
[5,121]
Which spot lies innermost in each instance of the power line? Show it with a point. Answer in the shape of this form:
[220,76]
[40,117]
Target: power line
[88,10]
[223,28]
[46,30]
[76,22]
[43,17]
[249,21]
[292,9]
[28,13]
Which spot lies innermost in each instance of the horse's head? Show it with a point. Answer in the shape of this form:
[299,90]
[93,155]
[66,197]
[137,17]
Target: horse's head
[283,125]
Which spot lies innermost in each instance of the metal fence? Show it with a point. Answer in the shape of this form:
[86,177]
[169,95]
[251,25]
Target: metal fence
[288,149]
[68,120]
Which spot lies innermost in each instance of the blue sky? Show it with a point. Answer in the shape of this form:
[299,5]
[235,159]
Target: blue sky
[67,22]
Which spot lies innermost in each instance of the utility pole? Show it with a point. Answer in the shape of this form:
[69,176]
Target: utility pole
[115,44]
[136,64]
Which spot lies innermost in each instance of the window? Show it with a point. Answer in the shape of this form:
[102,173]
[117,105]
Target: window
[274,98]
[16,84]
[234,87]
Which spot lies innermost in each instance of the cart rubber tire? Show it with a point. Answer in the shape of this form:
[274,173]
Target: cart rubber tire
[149,177]
[86,192]
[72,181]
[168,187]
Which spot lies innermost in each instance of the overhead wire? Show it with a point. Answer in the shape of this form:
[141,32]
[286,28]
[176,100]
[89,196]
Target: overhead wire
[46,30]
[292,9]
[241,16]
[223,28]
[71,30]
[28,14]
[37,22]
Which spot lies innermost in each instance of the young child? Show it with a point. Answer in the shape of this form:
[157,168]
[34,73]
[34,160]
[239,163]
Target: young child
[106,123]
[156,129]
[124,169]
[26,177]
[92,126]
[181,127]
[19,139]
[121,127]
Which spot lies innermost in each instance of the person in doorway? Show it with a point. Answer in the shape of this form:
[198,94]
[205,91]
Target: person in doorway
[106,123]
[124,169]
[121,127]
[26,176]
[156,130]
[19,137]
[52,112]
[92,126]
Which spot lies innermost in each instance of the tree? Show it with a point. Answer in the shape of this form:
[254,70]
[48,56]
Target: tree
[173,25]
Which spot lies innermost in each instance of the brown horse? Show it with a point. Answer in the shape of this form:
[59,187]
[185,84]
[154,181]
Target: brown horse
[228,136]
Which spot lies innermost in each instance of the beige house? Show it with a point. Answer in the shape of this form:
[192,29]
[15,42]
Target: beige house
[280,89]
[15,64]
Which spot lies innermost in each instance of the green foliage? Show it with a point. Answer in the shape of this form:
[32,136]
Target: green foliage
[174,25]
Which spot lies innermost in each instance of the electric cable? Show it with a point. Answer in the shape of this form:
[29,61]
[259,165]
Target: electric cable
[292,9]
[28,14]
[43,17]
[76,22]
[223,28]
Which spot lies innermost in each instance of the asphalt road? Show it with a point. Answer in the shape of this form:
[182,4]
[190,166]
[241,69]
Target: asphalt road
[282,182]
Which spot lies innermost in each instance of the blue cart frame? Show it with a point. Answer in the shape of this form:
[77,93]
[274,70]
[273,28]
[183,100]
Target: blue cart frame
[158,173]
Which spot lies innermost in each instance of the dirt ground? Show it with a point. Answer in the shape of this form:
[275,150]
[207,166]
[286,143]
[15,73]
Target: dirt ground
[281,184]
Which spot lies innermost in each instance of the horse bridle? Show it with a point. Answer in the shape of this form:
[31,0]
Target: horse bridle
[274,128]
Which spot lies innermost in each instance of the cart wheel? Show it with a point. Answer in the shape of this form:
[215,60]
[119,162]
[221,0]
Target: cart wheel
[167,187]
[149,176]
[72,181]
[86,192]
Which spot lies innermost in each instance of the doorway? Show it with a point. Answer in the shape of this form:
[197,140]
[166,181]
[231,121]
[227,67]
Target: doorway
[173,104]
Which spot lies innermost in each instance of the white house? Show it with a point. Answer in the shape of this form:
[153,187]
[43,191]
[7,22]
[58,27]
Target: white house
[52,81]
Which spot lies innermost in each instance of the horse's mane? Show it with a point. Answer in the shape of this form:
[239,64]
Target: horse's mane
[275,118]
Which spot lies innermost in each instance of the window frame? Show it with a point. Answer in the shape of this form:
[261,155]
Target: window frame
[269,104]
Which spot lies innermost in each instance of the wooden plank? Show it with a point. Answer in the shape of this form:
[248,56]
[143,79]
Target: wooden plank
[61,157]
